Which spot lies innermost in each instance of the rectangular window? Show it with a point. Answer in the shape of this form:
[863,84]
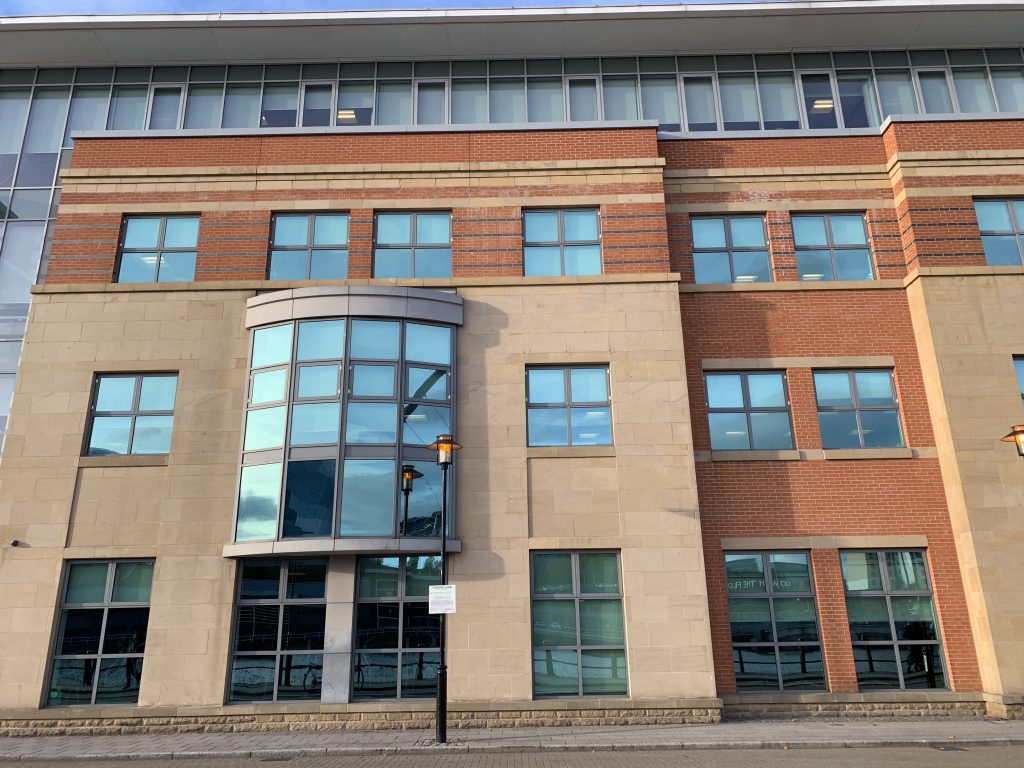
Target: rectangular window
[857,409]
[413,244]
[730,249]
[396,643]
[832,247]
[1002,228]
[309,247]
[563,242]
[892,620]
[101,638]
[579,638]
[748,411]
[132,414]
[568,406]
[1018,367]
[774,625]
[278,653]
[158,249]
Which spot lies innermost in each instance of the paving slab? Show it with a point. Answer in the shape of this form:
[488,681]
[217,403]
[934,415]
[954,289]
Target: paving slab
[747,734]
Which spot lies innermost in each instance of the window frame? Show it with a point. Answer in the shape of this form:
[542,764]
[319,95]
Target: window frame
[562,242]
[856,407]
[568,404]
[413,245]
[159,250]
[729,248]
[888,593]
[309,248]
[748,409]
[1016,232]
[830,244]
[770,594]
[106,605]
[133,413]
[577,596]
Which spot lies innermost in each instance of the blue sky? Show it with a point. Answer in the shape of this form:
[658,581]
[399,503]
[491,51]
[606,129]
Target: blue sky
[42,7]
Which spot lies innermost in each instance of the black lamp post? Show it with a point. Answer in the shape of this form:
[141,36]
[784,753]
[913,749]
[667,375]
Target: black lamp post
[446,448]
[1016,436]
[409,474]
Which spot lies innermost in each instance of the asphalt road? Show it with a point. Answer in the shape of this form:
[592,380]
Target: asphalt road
[876,757]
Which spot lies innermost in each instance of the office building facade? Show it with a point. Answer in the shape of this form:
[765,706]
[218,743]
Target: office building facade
[725,325]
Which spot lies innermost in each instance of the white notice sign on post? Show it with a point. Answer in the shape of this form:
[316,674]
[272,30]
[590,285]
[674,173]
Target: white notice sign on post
[442,599]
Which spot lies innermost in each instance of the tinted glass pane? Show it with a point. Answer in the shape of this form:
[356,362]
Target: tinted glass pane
[993,216]
[604,672]
[420,629]
[373,381]
[544,102]
[394,229]
[770,431]
[874,388]
[376,625]
[1001,251]
[264,428]
[1009,87]
[428,343]
[838,429]
[546,385]
[579,225]
[158,393]
[324,340]
[315,423]
[547,426]
[699,96]
[133,582]
[368,498]
[152,434]
[848,229]
[119,681]
[795,620]
[257,502]
[542,261]
[299,677]
[428,383]
[728,431]
[907,571]
[591,426]
[755,669]
[711,267]
[744,572]
[739,103]
[309,499]
[809,230]
[857,97]
[725,390]
[242,106]
[181,232]
[752,266]
[778,102]
[582,259]
[750,621]
[177,267]
[935,92]
[708,233]
[79,631]
[252,678]
[290,230]
[371,423]
[375,340]
[419,675]
[554,622]
[125,630]
[424,512]
[766,390]
[469,101]
[288,265]
[272,346]
[599,572]
[820,105]
[833,389]
[814,265]
[306,578]
[141,233]
[433,262]
[328,264]
[854,264]
[552,573]
[869,618]
[861,571]
[601,622]
[876,667]
[71,682]
[421,424]
[747,231]
[881,429]
[802,668]
[115,393]
[260,579]
[269,386]
[540,226]
[256,627]
[433,228]
[110,435]
[790,572]
[392,262]
[87,583]
[317,381]
[378,576]
[555,673]
[374,675]
[582,100]
[302,628]
[922,666]
[421,571]
[914,618]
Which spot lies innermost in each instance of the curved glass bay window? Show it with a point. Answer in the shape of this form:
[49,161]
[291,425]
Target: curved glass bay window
[335,407]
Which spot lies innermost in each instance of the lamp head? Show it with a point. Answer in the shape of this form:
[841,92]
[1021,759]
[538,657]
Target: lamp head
[446,447]
[1016,436]
[409,474]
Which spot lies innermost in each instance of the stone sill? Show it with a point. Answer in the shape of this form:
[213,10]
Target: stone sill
[773,363]
[794,285]
[817,454]
[570,452]
[755,456]
[158,460]
[868,453]
[979,270]
[338,546]
[878,697]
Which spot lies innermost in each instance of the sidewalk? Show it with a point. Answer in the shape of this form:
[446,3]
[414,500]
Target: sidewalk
[757,734]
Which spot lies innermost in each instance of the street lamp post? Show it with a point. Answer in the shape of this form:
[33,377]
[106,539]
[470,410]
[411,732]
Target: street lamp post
[1016,436]
[409,474]
[446,448]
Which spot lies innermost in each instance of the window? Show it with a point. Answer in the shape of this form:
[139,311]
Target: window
[568,406]
[561,243]
[101,638]
[578,633]
[396,644]
[748,411]
[1002,227]
[832,247]
[158,249]
[413,245]
[892,620]
[857,409]
[730,249]
[344,402]
[775,642]
[280,616]
[132,414]
[309,247]
[1018,368]
[9,353]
